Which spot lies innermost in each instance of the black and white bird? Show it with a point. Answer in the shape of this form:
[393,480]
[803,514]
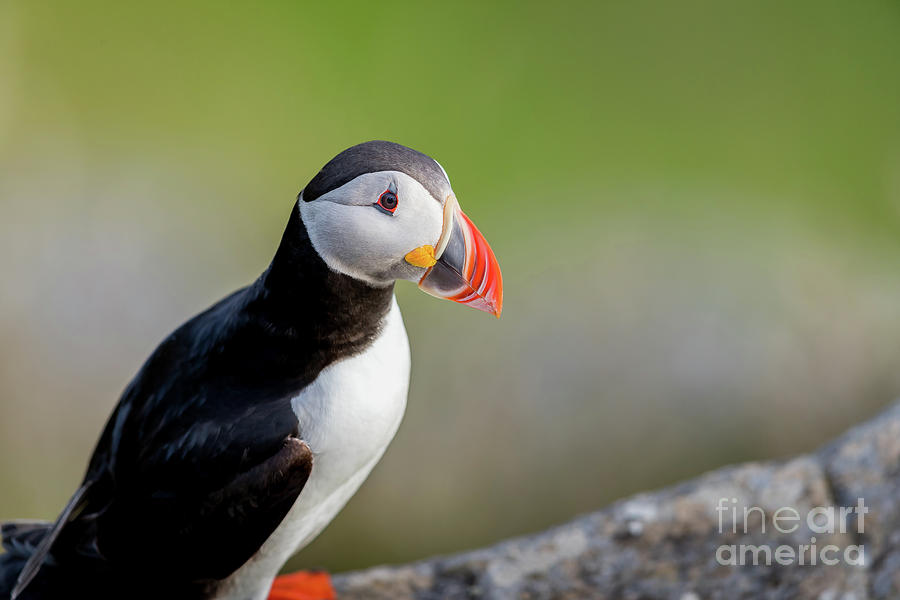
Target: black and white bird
[251,425]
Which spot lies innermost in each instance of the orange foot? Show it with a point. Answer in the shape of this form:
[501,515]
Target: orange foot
[303,585]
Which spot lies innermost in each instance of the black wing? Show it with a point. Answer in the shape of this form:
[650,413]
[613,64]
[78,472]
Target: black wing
[202,457]
[204,535]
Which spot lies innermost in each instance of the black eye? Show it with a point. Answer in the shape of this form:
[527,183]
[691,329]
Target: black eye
[387,202]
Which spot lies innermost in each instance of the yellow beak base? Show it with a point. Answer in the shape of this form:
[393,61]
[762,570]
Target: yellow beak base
[423,256]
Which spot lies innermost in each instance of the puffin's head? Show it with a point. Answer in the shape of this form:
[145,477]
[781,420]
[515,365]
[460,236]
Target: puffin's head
[380,211]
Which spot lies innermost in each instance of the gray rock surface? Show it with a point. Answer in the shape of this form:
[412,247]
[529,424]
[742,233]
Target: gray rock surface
[664,544]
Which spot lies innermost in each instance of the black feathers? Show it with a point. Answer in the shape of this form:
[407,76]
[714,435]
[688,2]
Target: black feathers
[76,503]
[202,457]
[371,157]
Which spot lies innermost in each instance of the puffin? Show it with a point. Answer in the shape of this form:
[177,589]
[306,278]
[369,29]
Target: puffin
[252,424]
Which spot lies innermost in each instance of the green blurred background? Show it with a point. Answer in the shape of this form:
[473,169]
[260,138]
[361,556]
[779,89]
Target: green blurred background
[696,206]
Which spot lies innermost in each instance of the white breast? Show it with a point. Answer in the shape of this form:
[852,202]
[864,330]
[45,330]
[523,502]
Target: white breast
[348,416]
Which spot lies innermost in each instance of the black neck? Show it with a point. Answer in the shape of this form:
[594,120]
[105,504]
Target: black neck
[301,316]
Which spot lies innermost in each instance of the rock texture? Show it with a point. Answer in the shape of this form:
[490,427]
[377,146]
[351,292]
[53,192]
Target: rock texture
[669,544]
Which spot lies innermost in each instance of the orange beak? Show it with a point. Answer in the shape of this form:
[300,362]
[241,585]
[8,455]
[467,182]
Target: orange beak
[466,270]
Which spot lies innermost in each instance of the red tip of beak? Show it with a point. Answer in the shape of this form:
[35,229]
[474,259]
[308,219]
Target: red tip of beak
[466,270]
[481,272]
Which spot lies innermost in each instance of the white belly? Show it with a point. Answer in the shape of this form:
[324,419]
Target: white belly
[348,416]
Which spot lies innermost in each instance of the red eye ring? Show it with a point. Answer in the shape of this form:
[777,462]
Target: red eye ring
[387,202]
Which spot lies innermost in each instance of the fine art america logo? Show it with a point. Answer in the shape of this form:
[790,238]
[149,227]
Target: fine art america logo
[822,521]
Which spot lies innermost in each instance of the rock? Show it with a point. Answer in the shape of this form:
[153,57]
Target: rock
[840,504]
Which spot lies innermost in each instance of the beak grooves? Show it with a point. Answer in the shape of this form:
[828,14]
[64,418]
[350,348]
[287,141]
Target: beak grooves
[466,270]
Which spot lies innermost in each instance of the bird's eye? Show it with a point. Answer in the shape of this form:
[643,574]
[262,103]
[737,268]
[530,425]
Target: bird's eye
[387,202]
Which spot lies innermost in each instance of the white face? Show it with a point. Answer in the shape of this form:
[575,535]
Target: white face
[357,238]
